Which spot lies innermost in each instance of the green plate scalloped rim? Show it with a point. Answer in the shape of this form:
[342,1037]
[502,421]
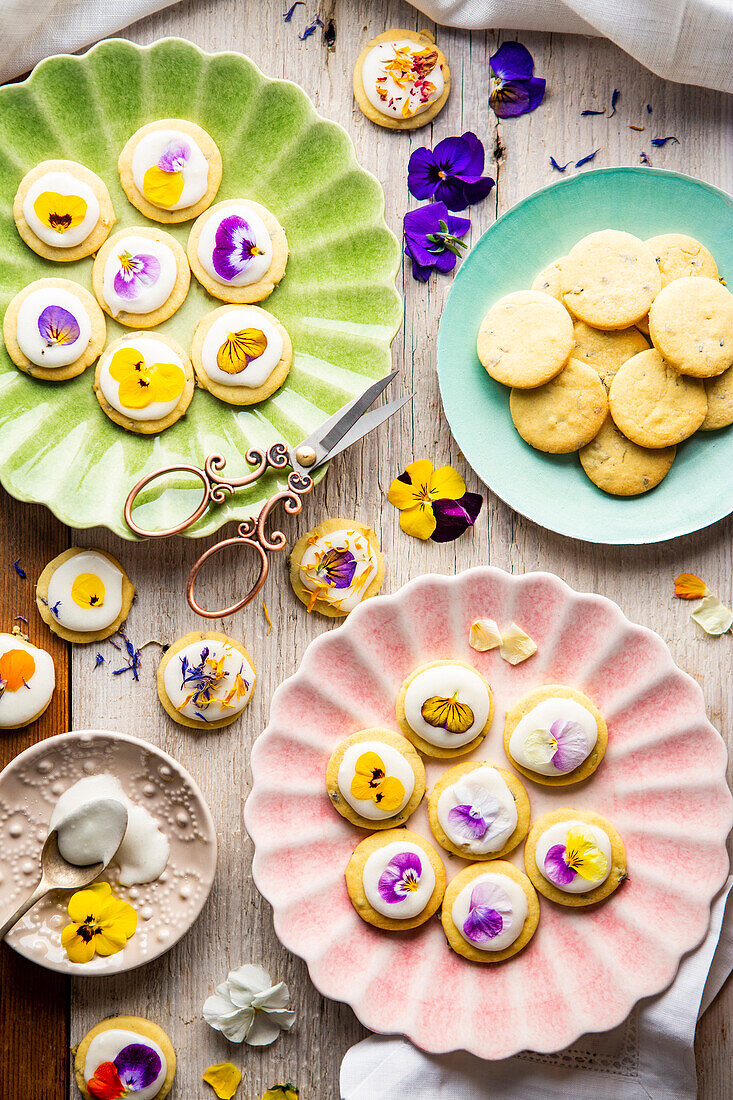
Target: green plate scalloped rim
[338,299]
[552,490]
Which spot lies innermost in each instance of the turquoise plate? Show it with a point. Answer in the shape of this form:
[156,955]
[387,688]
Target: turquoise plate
[552,490]
[338,299]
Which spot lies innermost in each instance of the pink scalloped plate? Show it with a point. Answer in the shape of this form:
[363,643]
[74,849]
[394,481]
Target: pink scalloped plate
[662,783]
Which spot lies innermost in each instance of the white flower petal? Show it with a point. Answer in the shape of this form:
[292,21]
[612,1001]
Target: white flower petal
[276,997]
[249,978]
[263,1031]
[713,616]
[283,1017]
[484,634]
[539,747]
[516,645]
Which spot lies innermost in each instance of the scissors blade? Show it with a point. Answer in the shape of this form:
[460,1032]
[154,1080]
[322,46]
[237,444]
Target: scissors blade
[367,423]
[335,428]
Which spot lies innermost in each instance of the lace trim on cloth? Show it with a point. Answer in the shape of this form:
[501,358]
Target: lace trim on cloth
[615,1052]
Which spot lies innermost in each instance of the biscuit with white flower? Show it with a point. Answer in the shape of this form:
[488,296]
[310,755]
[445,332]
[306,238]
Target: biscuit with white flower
[375,779]
[401,79]
[141,276]
[84,595]
[395,880]
[205,680]
[478,811]
[574,857]
[490,911]
[63,210]
[238,251]
[170,170]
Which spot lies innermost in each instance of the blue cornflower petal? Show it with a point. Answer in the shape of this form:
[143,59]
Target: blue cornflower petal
[559,167]
[586,159]
[659,142]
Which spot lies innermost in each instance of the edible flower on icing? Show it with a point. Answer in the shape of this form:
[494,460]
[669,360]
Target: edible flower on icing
[516,645]
[239,349]
[564,745]
[371,783]
[713,616]
[142,385]
[409,70]
[488,908]
[689,587]
[101,923]
[87,590]
[163,182]
[579,855]
[333,568]
[57,326]
[476,811]
[205,679]
[447,714]
[16,669]
[247,1007]
[513,87]
[432,239]
[60,212]
[281,1092]
[484,635]
[224,1079]
[433,504]
[135,273]
[450,173]
[400,877]
[235,247]
[134,1069]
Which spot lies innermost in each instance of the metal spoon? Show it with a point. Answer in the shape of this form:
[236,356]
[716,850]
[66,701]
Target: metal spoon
[58,874]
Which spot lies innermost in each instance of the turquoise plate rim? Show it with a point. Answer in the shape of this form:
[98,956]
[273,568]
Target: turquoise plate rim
[450,377]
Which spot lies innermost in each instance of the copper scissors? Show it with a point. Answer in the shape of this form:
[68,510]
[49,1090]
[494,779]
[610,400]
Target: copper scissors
[345,427]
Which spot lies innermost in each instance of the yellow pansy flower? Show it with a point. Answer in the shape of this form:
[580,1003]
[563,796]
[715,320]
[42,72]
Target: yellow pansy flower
[60,212]
[142,385]
[101,923]
[88,590]
[162,188]
[239,349]
[371,782]
[414,491]
[447,714]
[583,855]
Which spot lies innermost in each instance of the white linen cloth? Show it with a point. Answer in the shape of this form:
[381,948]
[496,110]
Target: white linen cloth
[688,41]
[648,1057]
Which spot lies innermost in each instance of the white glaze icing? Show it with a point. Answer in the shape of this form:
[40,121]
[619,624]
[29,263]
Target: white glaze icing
[144,851]
[374,68]
[357,544]
[67,611]
[105,1047]
[93,832]
[147,296]
[258,265]
[414,901]
[395,765]
[557,834]
[445,681]
[257,370]
[195,170]
[541,717]
[513,924]
[20,706]
[226,688]
[62,183]
[37,348]
[486,791]
[153,351]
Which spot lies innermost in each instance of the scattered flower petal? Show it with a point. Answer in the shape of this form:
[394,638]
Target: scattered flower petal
[247,1007]
[432,239]
[713,616]
[281,1092]
[224,1079]
[645,159]
[19,569]
[516,645]
[98,660]
[311,28]
[483,635]
[450,173]
[601,112]
[661,141]
[513,88]
[648,108]
[689,587]
[639,129]
[559,167]
[288,15]
[614,101]
[586,159]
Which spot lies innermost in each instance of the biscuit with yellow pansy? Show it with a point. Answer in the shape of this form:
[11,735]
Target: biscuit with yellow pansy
[375,779]
[84,595]
[63,210]
[574,857]
[170,170]
[144,382]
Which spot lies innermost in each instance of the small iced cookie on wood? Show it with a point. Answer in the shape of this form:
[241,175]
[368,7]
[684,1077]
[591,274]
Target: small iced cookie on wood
[53,329]
[241,354]
[653,404]
[549,280]
[375,779]
[574,857]
[525,339]
[141,276]
[125,1056]
[490,911]
[691,325]
[401,79]
[63,210]
[622,468]
[610,279]
[238,251]
[479,811]
[144,382]
[719,392]
[84,595]
[564,414]
[205,680]
[555,736]
[678,256]
[336,566]
[395,879]
[606,351]
[27,681]
[445,708]
[170,170]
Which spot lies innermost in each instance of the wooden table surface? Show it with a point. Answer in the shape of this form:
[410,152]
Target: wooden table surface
[42,1015]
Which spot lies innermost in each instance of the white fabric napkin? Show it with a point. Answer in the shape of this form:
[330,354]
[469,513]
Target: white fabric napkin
[648,1057]
[688,41]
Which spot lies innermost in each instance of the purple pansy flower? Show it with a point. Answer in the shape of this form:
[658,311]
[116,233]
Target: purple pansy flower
[488,907]
[138,1066]
[450,173]
[572,746]
[514,89]
[57,326]
[234,247]
[432,239]
[474,815]
[400,877]
[135,274]
[336,568]
[174,156]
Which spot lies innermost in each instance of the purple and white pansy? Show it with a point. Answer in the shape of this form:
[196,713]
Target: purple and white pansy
[135,273]
[175,155]
[400,878]
[235,248]
[564,745]
[475,814]
[490,908]
[139,273]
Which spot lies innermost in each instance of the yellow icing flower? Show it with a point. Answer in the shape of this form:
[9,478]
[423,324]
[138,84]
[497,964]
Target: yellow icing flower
[142,385]
[162,188]
[101,923]
[60,212]
[447,714]
[239,349]
[224,1079]
[414,491]
[16,669]
[583,855]
[281,1092]
[88,590]
[371,782]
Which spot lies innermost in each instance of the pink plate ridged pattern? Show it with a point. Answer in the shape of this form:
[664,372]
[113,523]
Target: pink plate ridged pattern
[662,783]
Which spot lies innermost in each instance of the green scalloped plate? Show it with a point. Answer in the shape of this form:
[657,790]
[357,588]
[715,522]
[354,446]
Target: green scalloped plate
[338,299]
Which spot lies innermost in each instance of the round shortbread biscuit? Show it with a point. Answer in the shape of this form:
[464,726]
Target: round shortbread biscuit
[606,350]
[526,704]
[192,637]
[249,292]
[617,873]
[525,339]
[653,404]
[464,878]
[240,395]
[211,153]
[420,743]
[564,414]
[93,349]
[99,233]
[719,391]
[146,427]
[549,280]
[128,594]
[355,883]
[521,801]
[610,279]
[327,527]
[691,325]
[175,299]
[422,38]
[678,256]
[137,1024]
[395,741]
[622,468]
